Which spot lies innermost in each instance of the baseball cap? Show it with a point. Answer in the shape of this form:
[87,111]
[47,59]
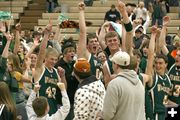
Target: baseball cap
[121,58]
[82,65]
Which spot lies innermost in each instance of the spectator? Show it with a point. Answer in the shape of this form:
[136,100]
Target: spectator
[130,13]
[67,63]
[112,15]
[3,27]
[7,105]
[87,44]
[46,75]
[51,5]
[88,2]
[158,12]
[37,108]
[140,11]
[137,39]
[4,73]
[173,2]
[120,102]
[147,3]
[90,94]
[16,73]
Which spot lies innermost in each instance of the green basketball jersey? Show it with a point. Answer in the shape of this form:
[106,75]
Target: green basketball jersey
[161,90]
[93,62]
[48,82]
[174,75]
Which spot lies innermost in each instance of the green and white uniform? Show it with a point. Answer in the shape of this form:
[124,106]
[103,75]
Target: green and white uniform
[160,90]
[48,82]
[93,62]
[174,75]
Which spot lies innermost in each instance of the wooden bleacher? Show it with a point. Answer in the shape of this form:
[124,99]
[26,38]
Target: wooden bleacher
[95,14]
[97,3]
[15,6]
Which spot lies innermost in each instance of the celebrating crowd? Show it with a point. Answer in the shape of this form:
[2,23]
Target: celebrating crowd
[116,73]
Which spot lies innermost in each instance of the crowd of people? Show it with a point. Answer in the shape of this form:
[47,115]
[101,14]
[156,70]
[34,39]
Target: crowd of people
[119,72]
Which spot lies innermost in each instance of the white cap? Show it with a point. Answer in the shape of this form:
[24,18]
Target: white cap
[121,58]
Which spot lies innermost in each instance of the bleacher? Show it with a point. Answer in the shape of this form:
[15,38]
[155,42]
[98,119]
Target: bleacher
[95,14]
[16,7]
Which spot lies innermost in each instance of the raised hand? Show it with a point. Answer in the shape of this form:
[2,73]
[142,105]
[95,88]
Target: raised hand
[61,86]
[2,27]
[81,6]
[36,87]
[121,6]
[36,41]
[61,72]
[105,27]
[8,36]
[18,27]
[166,20]
[48,28]
[154,30]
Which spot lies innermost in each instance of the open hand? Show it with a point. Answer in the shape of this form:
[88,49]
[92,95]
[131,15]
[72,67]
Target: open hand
[154,29]
[166,20]
[121,6]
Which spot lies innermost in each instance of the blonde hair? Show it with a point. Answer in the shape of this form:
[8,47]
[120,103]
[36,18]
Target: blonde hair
[51,51]
[6,98]
[15,62]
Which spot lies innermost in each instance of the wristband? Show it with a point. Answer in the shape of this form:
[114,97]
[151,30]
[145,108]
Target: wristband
[128,27]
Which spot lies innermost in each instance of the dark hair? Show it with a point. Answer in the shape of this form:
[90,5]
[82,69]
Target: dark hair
[161,56]
[90,36]
[68,43]
[40,105]
[35,33]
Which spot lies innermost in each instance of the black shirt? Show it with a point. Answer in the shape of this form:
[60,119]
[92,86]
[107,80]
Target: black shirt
[112,16]
[72,82]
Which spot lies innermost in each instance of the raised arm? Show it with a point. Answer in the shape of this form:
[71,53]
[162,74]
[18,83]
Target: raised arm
[6,49]
[35,44]
[128,27]
[82,51]
[162,38]
[56,39]
[123,39]
[101,36]
[17,38]
[149,68]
